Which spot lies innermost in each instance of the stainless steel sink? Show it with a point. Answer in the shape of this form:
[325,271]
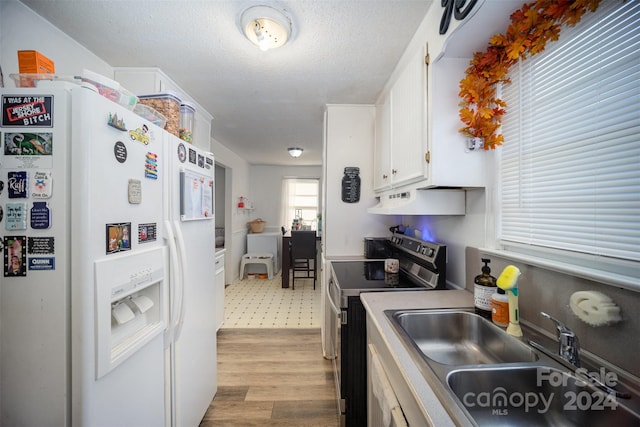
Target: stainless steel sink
[484,376]
[460,338]
[535,396]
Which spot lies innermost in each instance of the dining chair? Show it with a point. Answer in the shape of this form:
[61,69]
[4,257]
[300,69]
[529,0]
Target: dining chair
[304,256]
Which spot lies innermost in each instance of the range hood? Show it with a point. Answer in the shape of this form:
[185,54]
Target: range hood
[432,201]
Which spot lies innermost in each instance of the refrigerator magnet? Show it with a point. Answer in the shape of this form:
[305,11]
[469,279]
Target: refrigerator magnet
[134,191]
[17,185]
[40,216]
[118,237]
[15,256]
[41,185]
[140,134]
[41,245]
[147,232]
[42,263]
[182,153]
[16,216]
[120,151]
[151,166]
[116,122]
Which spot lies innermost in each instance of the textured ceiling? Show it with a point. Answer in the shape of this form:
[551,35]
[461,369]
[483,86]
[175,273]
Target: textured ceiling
[341,51]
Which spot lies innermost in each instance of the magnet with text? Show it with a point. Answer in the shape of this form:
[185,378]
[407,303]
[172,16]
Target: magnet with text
[116,122]
[147,232]
[40,216]
[120,151]
[118,237]
[16,214]
[17,185]
[33,111]
[15,256]
[42,263]
[41,245]
[41,185]
[134,191]
[193,156]
[151,166]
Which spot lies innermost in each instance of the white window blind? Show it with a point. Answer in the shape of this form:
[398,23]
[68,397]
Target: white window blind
[570,164]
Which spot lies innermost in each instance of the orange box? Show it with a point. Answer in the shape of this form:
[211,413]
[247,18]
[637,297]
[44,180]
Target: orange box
[33,62]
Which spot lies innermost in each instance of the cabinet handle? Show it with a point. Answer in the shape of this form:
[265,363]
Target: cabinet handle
[384,176]
[394,171]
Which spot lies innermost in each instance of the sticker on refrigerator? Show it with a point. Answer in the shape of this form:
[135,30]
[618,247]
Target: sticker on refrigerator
[200,161]
[41,245]
[28,150]
[42,263]
[40,216]
[33,111]
[120,151]
[147,232]
[1,213]
[192,156]
[116,122]
[151,166]
[16,216]
[17,185]
[15,256]
[41,185]
[118,237]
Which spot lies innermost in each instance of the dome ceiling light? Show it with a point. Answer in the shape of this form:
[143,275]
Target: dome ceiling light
[265,27]
[295,152]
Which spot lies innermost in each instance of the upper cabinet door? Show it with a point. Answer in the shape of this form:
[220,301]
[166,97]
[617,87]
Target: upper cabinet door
[382,146]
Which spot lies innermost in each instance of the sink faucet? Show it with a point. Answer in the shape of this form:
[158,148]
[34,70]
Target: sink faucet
[569,346]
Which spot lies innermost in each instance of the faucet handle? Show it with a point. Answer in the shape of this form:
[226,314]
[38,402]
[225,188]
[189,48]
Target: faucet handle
[561,327]
[569,346]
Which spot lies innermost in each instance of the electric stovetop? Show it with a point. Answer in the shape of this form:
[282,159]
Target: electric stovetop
[354,277]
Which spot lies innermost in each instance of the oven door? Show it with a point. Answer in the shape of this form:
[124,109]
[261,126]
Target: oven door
[333,302]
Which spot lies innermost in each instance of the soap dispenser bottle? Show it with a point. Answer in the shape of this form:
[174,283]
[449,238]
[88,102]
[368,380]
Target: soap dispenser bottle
[484,286]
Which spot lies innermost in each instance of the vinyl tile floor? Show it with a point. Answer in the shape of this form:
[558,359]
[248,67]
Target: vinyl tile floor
[263,303]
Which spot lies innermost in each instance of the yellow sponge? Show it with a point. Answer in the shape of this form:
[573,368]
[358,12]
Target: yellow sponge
[508,279]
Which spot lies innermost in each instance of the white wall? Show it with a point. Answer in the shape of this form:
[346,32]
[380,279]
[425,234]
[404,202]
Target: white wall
[236,237]
[22,29]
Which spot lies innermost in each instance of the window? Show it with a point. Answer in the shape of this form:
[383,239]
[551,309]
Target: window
[300,201]
[570,165]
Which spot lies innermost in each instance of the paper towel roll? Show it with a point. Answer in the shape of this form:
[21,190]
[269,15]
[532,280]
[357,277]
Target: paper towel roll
[594,308]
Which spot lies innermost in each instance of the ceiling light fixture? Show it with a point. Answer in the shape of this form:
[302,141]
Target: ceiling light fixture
[265,27]
[295,151]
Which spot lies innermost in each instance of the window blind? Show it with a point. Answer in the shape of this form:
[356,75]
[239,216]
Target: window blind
[570,164]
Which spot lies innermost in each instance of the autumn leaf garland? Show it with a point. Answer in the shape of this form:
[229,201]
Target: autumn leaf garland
[531,28]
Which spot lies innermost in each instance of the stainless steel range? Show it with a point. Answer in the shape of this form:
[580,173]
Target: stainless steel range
[422,267]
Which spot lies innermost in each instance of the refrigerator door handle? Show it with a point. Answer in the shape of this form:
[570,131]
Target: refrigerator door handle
[175,283]
[183,259]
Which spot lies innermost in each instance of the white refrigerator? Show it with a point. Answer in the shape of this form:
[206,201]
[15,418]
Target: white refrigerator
[92,276]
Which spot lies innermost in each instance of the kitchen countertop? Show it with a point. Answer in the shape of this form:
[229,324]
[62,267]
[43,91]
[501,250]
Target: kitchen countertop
[377,302]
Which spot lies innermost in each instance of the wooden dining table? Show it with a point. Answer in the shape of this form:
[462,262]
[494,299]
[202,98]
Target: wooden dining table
[286,257]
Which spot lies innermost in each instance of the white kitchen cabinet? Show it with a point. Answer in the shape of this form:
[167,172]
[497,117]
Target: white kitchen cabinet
[401,127]
[408,121]
[382,145]
[154,80]
[220,285]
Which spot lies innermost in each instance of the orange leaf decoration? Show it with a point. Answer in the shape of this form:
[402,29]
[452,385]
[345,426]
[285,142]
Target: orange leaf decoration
[532,26]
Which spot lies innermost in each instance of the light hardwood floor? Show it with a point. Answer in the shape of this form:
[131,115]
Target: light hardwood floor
[272,377]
